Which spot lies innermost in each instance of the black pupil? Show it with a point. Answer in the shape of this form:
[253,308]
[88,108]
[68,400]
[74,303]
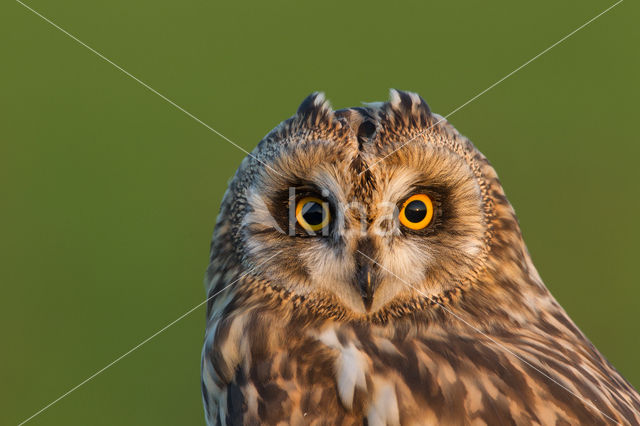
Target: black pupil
[415,211]
[313,213]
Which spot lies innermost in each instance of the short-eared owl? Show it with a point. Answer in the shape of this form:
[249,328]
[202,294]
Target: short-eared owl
[367,268]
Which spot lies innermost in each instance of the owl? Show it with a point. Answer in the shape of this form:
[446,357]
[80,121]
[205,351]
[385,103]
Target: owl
[367,268]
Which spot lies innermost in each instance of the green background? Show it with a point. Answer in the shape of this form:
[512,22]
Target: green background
[109,193]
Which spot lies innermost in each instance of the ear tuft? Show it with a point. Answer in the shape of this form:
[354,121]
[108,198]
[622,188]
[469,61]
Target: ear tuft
[407,108]
[315,109]
[408,102]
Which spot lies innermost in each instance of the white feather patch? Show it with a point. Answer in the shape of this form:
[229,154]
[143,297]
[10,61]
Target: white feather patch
[383,410]
[351,367]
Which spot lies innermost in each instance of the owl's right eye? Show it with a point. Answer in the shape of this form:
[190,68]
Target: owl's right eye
[312,214]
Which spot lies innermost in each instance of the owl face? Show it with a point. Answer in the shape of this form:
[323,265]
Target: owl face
[361,208]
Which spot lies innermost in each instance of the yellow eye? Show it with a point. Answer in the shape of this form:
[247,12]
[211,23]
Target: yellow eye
[416,213]
[312,214]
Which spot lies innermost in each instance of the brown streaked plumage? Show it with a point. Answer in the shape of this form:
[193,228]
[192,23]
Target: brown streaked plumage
[372,322]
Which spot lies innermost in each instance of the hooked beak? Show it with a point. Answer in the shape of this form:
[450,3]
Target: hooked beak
[367,274]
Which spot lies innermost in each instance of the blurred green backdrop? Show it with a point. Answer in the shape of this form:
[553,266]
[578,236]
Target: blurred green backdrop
[109,194]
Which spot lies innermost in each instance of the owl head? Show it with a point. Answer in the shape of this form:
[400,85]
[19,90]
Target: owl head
[366,211]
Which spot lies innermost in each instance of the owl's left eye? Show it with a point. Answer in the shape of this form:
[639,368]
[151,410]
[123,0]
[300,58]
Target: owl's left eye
[312,214]
[416,213]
